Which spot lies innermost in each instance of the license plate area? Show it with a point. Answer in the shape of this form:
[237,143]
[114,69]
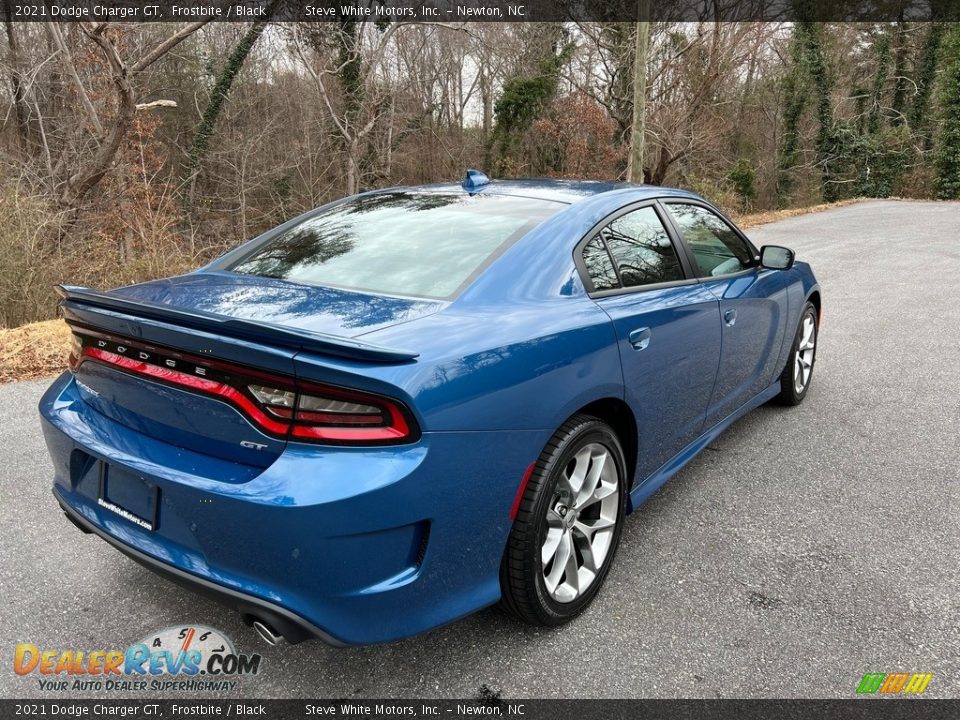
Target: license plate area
[130,496]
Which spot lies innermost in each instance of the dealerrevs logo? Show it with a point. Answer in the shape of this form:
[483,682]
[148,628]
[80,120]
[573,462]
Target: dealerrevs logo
[188,658]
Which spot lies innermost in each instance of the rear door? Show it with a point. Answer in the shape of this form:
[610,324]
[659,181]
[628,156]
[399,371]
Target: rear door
[753,304]
[667,324]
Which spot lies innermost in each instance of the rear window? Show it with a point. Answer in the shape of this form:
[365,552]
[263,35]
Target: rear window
[400,243]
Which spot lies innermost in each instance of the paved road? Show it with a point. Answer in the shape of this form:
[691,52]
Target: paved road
[801,550]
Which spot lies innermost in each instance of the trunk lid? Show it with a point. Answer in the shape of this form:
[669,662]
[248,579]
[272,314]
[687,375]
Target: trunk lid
[331,311]
[162,358]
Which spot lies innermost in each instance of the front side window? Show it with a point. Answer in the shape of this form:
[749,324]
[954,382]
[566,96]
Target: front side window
[402,243]
[632,251]
[641,249]
[718,249]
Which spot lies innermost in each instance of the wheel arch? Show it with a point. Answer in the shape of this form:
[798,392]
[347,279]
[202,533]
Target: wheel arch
[618,415]
[814,298]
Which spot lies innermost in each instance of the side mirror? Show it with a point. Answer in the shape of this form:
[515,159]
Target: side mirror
[775,257]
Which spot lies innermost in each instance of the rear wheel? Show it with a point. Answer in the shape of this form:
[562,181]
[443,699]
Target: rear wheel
[568,526]
[796,376]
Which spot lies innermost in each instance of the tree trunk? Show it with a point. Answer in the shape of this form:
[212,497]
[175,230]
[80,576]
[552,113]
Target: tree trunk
[353,166]
[926,78]
[201,140]
[90,174]
[875,116]
[638,128]
[486,96]
[658,173]
[947,156]
[16,81]
[900,70]
[812,36]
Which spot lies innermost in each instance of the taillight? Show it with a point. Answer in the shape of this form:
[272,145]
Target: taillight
[275,399]
[321,412]
[277,405]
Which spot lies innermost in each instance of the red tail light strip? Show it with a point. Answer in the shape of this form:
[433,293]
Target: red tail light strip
[191,381]
[397,430]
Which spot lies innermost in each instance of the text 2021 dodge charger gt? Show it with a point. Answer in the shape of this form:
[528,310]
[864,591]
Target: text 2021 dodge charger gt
[413,403]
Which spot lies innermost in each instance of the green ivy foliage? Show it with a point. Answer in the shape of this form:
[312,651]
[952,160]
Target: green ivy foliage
[795,99]
[882,46]
[947,152]
[862,156]
[524,99]
[744,179]
[869,164]
[809,72]
[926,79]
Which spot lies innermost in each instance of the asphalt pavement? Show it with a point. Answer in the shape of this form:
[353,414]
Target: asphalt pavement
[804,548]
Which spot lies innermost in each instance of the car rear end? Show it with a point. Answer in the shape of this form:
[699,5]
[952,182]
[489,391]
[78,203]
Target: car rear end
[288,473]
[212,454]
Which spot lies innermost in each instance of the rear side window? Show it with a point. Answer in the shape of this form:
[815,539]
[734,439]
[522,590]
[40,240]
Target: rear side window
[718,249]
[401,243]
[600,266]
[631,251]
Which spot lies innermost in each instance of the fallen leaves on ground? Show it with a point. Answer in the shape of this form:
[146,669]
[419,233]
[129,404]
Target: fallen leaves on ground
[35,350]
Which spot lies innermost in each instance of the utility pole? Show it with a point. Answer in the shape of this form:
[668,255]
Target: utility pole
[635,161]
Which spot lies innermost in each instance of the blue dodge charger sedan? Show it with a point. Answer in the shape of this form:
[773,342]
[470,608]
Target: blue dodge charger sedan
[413,403]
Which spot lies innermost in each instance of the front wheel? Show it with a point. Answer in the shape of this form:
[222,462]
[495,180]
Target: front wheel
[796,376]
[568,525]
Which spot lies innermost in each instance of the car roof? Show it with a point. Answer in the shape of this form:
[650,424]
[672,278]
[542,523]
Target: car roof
[556,190]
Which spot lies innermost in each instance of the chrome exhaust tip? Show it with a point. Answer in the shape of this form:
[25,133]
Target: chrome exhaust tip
[267,633]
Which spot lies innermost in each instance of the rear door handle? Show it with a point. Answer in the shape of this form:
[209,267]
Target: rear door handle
[730,317]
[640,338]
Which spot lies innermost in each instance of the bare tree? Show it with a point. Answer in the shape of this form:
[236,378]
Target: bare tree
[348,54]
[122,72]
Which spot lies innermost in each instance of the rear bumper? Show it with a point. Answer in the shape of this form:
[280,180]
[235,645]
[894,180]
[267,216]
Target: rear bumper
[351,545]
[293,627]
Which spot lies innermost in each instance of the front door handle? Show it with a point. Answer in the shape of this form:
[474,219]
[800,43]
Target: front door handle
[730,317]
[640,338]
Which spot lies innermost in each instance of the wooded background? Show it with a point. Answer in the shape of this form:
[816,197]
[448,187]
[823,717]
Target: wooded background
[136,151]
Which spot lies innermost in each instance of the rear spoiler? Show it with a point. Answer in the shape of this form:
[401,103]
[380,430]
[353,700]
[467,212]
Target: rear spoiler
[297,338]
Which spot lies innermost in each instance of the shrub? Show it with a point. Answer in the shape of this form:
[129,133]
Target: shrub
[744,179]
[29,256]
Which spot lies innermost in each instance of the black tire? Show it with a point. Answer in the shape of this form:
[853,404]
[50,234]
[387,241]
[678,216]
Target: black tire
[789,394]
[524,591]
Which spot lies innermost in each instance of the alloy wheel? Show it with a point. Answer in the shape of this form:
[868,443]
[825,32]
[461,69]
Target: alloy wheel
[581,519]
[803,362]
